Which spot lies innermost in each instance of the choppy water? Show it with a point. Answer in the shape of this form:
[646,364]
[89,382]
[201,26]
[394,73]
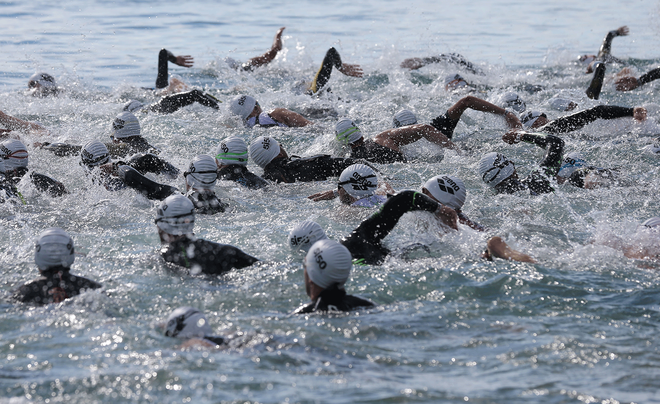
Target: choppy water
[579,326]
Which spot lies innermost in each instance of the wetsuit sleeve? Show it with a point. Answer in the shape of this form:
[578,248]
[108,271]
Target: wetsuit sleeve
[164,56]
[144,185]
[331,59]
[606,46]
[150,163]
[47,184]
[445,125]
[174,102]
[554,151]
[578,120]
[649,77]
[225,258]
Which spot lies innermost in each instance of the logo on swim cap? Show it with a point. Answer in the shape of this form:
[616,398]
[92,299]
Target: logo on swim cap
[266,143]
[319,259]
[451,185]
[224,148]
[118,124]
[241,101]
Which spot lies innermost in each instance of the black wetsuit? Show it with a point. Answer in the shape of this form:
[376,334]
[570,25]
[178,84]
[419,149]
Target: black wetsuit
[55,285]
[334,299]
[456,59]
[211,258]
[580,119]
[163,79]
[42,182]
[172,103]
[580,175]
[241,175]
[122,148]
[206,202]
[649,77]
[445,125]
[315,168]
[10,191]
[364,242]
[331,59]
[376,153]
[150,163]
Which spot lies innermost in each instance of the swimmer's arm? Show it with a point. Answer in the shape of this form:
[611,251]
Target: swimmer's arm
[477,104]
[289,118]
[447,216]
[324,196]
[269,55]
[496,247]
[13,123]
[398,137]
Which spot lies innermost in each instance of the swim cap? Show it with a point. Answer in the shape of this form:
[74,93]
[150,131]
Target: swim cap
[346,131]
[495,168]
[232,150]
[94,154]
[242,105]
[54,248]
[571,162]
[187,322]
[358,180]
[263,150]
[176,215]
[448,190]
[328,263]
[453,77]
[43,79]
[133,105]
[305,234]
[14,153]
[561,104]
[202,172]
[125,125]
[529,117]
[404,118]
[513,101]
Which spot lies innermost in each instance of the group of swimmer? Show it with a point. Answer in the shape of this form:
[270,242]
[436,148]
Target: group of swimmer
[123,160]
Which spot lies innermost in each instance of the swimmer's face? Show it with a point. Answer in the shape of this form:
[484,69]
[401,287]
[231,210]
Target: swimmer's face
[255,111]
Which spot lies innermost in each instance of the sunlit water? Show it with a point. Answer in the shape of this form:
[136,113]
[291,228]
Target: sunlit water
[579,326]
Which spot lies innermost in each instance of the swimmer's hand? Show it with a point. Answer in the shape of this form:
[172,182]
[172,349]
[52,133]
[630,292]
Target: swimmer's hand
[512,137]
[351,70]
[185,61]
[277,42]
[496,247]
[626,83]
[639,114]
[622,31]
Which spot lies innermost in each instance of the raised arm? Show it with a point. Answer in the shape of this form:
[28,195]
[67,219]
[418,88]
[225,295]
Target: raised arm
[165,56]
[456,111]
[269,55]
[606,47]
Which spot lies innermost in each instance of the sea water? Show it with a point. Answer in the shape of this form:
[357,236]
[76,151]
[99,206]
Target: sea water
[579,326]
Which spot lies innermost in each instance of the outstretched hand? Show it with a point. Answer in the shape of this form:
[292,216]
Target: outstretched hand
[185,61]
[351,70]
[626,83]
[639,114]
[277,42]
[511,137]
[622,31]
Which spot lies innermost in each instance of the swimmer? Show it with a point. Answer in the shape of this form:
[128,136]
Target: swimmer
[449,58]
[172,103]
[628,82]
[175,220]
[538,121]
[231,158]
[358,186]
[15,158]
[13,124]
[118,175]
[364,242]
[249,110]
[267,153]
[513,101]
[604,53]
[200,180]
[575,170]
[553,145]
[54,254]
[259,60]
[322,76]
[450,191]
[191,325]
[327,267]
[42,85]
[162,79]
[500,173]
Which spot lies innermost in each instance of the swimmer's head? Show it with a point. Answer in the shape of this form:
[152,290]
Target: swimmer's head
[454,82]
[187,322]
[495,168]
[176,215]
[328,263]
[571,163]
[125,125]
[202,172]
[513,101]
[305,234]
[232,150]
[530,117]
[403,118]
[242,105]
[133,105]
[94,154]
[40,79]
[446,189]
[54,248]
[14,153]
[358,180]
[562,104]
[263,150]
[652,223]
[347,132]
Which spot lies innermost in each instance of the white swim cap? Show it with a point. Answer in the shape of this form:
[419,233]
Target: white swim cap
[453,77]
[202,172]
[346,131]
[94,154]
[571,162]
[133,105]
[187,322]
[513,101]
[403,118]
[528,118]
[305,234]
[495,168]
[358,180]
[561,104]
[14,153]
[54,248]
[328,263]
[448,190]
[263,150]
[176,215]
[44,80]
[242,105]
[125,125]
[232,150]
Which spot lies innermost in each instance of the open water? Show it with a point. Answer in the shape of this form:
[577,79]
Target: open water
[578,327]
